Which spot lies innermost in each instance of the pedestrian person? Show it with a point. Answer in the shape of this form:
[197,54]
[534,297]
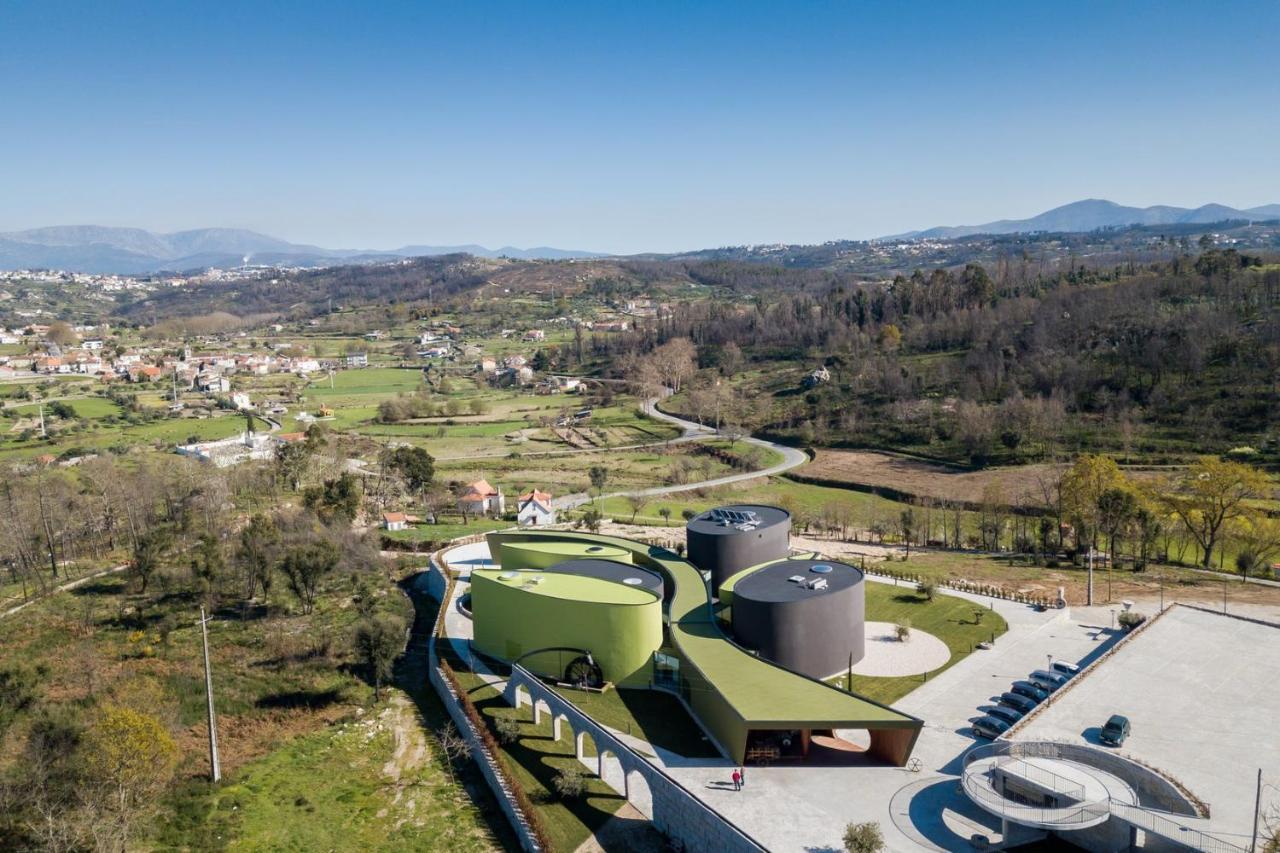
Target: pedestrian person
[737,781]
[742,776]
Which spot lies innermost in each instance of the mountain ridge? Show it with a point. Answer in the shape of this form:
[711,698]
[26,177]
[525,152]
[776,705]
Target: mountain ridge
[109,249]
[1091,214]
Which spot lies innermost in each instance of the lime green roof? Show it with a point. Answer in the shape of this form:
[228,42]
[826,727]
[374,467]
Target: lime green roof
[572,587]
[761,693]
[570,550]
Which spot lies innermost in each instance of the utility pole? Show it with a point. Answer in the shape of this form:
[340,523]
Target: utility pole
[208,688]
[1089,602]
[1257,808]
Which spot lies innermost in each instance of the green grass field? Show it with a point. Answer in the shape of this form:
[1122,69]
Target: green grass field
[950,618]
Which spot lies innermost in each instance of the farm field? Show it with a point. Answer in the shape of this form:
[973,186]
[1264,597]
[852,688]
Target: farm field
[876,470]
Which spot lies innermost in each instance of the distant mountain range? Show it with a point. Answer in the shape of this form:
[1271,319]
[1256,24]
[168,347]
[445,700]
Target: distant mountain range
[1093,213]
[98,249]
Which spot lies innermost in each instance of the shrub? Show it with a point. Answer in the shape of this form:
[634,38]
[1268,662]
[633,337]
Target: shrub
[570,782]
[863,838]
[508,729]
[1130,619]
[927,588]
[902,631]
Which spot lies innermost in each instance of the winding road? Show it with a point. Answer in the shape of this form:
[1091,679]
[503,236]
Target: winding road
[791,458]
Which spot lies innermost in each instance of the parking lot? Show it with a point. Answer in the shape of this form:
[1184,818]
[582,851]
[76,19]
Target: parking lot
[1201,691]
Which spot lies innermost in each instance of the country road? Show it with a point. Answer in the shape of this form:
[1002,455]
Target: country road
[791,458]
[63,588]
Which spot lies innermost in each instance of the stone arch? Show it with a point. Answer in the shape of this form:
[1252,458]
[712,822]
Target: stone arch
[638,791]
[611,769]
[540,706]
[555,724]
[580,744]
[520,695]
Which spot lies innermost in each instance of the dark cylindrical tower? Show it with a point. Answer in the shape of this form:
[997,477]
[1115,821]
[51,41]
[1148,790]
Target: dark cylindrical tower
[806,615]
[728,539]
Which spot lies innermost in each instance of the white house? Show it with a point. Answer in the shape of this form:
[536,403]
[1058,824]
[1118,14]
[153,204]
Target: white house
[480,498]
[395,520]
[535,509]
[358,359]
[241,400]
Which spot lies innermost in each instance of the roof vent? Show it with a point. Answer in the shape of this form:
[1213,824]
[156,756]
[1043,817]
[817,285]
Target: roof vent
[821,568]
[800,579]
[632,581]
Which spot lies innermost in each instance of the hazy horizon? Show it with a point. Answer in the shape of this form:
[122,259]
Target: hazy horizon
[619,130]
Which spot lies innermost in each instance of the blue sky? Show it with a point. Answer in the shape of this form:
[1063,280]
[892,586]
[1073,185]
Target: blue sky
[626,127]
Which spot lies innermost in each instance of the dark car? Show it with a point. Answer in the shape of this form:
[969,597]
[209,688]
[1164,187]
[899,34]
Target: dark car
[1019,703]
[1026,688]
[1046,680]
[1115,731]
[989,727]
[1004,712]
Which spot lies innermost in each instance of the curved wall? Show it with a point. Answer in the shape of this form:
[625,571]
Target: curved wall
[813,632]
[725,550]
[510,621]
[544,555]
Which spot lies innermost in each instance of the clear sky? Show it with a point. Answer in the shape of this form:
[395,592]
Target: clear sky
[626,127]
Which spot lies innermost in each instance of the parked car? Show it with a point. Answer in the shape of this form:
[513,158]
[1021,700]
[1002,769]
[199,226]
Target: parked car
[989,727]
[1018,702]
[1004,712]
[1115,730]
[1031,691]
[1064,669]
[1046,680]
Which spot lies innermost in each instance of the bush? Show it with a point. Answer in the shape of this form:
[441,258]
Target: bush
[570,782]
[902,631]
[863,838]
[508,729]
[927,588]
[1130,619]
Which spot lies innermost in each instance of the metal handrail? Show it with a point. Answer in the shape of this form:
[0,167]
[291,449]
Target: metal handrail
[1144,818]
[1056,783]
[1078,814]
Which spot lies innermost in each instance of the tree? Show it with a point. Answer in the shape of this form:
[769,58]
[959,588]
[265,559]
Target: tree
[635,503]
[665,512]
[61,333]
[415,465]
[148,553]
[378,642]
[130,759]
[1213,493]
[907,524]
[305,566]
[1081,486]
[207,563]
[599,477]
[291,460]
[256,555]
[1117,509]
[337,499]
[1258,539]
[863,838]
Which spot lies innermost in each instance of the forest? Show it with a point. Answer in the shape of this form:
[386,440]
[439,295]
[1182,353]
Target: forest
[1158,362]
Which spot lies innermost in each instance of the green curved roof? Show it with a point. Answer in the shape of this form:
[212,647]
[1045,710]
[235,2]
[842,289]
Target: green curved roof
[763,694]
[572,587]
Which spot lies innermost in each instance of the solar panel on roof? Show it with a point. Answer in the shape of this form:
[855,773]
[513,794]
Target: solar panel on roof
[740,518]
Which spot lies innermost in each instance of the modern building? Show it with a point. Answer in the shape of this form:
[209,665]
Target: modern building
[805,614]
[581,620]
[579,600]
[726,540]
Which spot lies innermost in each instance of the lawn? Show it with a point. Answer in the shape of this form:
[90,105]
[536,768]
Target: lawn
[434,535]
[952,619]
[649,715]
[535,758]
